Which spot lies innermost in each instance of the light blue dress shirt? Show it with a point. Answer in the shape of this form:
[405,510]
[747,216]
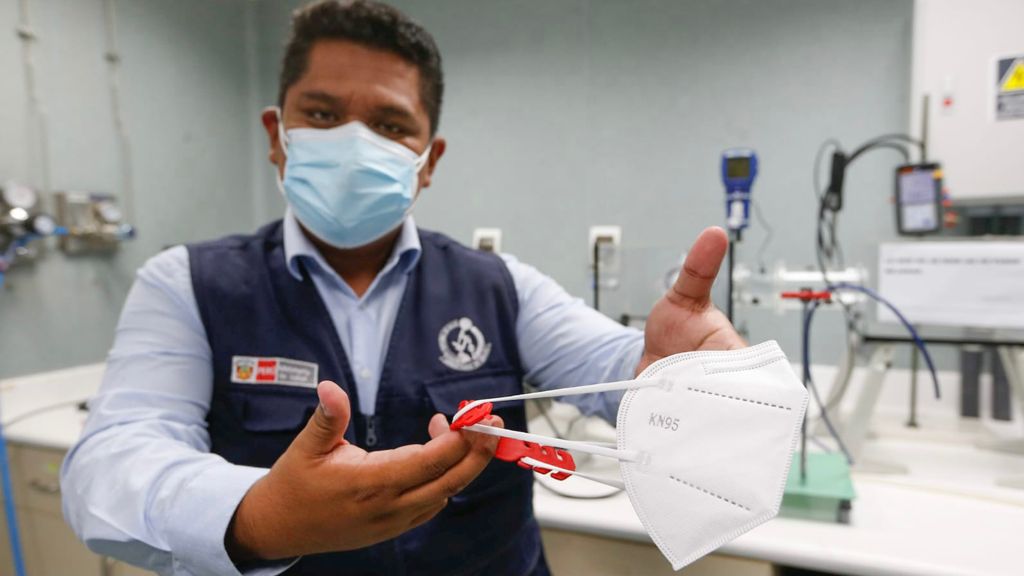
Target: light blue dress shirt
[142,485]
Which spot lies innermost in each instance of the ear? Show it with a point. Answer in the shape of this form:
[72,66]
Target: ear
[436,151]
[270,119]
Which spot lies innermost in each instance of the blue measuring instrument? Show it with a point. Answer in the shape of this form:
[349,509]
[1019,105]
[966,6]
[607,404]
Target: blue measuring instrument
[739,169]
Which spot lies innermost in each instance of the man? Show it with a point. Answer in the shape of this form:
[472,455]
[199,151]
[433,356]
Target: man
[211,378]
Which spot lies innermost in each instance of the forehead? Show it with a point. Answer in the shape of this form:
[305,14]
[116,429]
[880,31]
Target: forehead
[351,71]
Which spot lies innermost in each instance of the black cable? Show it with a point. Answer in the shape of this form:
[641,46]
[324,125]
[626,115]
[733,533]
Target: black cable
[890,145]
[818,189]
[732,262]
[597,274]
[889,138]
[769,234]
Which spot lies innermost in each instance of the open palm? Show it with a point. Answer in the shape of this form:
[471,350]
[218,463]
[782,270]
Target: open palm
[685,319]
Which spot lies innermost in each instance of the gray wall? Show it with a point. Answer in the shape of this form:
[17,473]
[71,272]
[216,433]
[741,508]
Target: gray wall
[187,113]
[559,115]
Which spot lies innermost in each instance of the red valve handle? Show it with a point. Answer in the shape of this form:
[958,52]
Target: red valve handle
[808,295]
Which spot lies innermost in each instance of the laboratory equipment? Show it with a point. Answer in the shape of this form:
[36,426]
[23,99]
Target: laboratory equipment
[21,223]
[93,221]
[739,169]
[820,488]
[918,199]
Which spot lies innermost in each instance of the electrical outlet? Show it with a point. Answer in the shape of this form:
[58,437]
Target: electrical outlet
[487,239]
[609,236]
[608,240]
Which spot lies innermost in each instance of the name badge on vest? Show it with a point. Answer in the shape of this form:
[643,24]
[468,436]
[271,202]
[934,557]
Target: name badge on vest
[284,371]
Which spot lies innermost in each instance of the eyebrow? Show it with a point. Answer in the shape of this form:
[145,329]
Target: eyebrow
[320,96]
[395,112]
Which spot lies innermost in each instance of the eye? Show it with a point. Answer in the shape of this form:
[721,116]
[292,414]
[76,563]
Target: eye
[388,129]
[322,116]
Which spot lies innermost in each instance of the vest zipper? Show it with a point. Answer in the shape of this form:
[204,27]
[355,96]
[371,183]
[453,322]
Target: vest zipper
[371,431]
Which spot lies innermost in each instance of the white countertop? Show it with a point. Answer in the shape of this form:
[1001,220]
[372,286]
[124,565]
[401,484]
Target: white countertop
[43,407]
[900,524]
[945,517]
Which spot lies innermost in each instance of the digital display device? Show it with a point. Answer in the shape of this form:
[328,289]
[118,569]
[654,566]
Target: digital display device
[737,167]
[918,199]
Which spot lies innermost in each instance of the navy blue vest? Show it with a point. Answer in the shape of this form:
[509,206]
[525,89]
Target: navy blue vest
[252,306]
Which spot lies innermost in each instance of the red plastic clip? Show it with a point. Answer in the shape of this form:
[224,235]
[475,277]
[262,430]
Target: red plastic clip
[511,450]
[473,416]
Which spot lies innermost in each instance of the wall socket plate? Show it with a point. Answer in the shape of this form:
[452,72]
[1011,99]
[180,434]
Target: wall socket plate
[609,255]
[487,239]
[611,236]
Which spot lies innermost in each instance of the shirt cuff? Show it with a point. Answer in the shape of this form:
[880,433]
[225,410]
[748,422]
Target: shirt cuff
[625,366]
[200,521]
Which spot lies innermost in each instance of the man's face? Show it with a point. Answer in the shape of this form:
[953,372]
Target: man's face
[344,82]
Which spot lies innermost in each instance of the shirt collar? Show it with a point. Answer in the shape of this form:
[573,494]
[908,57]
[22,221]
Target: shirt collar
[297,246]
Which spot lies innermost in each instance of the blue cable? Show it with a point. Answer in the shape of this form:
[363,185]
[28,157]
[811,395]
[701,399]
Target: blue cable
[906,323]
[814,388]
[12,519]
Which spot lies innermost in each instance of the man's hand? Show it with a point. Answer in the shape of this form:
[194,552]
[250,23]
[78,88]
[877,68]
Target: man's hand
[685,319]
[324,494]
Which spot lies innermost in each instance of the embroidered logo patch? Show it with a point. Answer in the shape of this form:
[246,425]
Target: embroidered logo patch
[256,370]
[463,346]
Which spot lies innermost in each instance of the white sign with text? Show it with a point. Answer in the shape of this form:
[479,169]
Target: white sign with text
[973,284]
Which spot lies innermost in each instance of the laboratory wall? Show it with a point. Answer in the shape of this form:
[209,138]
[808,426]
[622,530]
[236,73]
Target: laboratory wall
[564,114]
[559,115]
[956,47]
[185,155]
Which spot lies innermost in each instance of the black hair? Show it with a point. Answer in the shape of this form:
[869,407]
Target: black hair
[372,24]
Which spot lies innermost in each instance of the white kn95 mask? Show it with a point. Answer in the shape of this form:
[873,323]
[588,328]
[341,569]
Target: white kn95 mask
[704,444]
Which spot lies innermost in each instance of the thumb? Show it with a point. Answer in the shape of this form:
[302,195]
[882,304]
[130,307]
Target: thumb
[326,429]
[701,267]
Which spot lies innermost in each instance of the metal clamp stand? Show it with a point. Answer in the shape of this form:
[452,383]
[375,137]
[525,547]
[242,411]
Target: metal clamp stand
[855,428]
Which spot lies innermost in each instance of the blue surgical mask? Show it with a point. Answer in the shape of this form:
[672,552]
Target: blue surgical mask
[348,185]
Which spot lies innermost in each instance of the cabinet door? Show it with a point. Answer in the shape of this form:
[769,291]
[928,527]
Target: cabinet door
[574,553]
[49,547]
[122,569]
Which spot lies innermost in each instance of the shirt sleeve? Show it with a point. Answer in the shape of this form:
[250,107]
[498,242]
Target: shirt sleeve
[141,484]
[564,343]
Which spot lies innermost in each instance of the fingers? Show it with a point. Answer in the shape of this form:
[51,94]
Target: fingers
[459,475]
[412,466]
[701,267]
[438,425]
[486,442]
[326,429]
[430,512]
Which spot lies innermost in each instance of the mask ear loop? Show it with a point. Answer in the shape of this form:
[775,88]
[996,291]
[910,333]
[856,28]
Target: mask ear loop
[606,481]
[283,139]
[597,449]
